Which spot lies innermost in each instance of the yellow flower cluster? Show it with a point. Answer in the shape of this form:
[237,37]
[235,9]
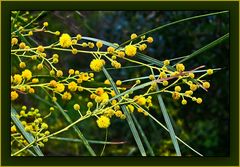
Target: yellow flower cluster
[103,122]
[130,50]
[32,121]
[27,74]
[65,40]
[97,65]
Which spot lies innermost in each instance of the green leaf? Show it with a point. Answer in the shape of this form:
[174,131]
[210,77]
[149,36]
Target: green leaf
[89,141]
[27,136]
[168,121]
[128,116]
[169,124]
[143,135]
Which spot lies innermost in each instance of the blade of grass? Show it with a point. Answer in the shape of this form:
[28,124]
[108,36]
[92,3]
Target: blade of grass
[169,125]
[143,135]
[76,129]
[168,121]
[128,116]
[173,23]
[165,128]
[104,146]
[205,48]
[89,141]
[26,135]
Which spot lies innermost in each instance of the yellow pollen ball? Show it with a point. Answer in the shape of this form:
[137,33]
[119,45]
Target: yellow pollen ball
[45,24]
[110,49]
[71,71]
[57,33]
[99,91]
[199,100]
[184,102]
[59,87]
[103,122]
[142,47]
[22,65]
[165,83]
[14,41]
[17,79]
[72,86]
[206,85]
[65,40]
[40,48]
[27,74]
[79,37]
[97,65]
[118,113]
[130,107]
[150,40]
[59,73]
[177,88]
[99,44]
[141,101]
[133,36]
[74,51]
[119,83]
[166,62]
[76,107]
[66,96]
[22,45]
[191,75]
[193,87]
[107,82]
[130,50]
[180,67]
[209,71]
[14,95]
[151,77]
[121,54]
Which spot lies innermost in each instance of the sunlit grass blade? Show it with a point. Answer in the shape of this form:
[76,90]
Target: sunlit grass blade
[205,48]
[89,141]
[180,140]
[128,116]
[168,121]
[169,125]
[173,23]
[165,128]
[27,136]
[143,135]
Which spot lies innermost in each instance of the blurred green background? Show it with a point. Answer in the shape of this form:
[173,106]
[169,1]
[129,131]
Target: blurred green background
[205,127]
